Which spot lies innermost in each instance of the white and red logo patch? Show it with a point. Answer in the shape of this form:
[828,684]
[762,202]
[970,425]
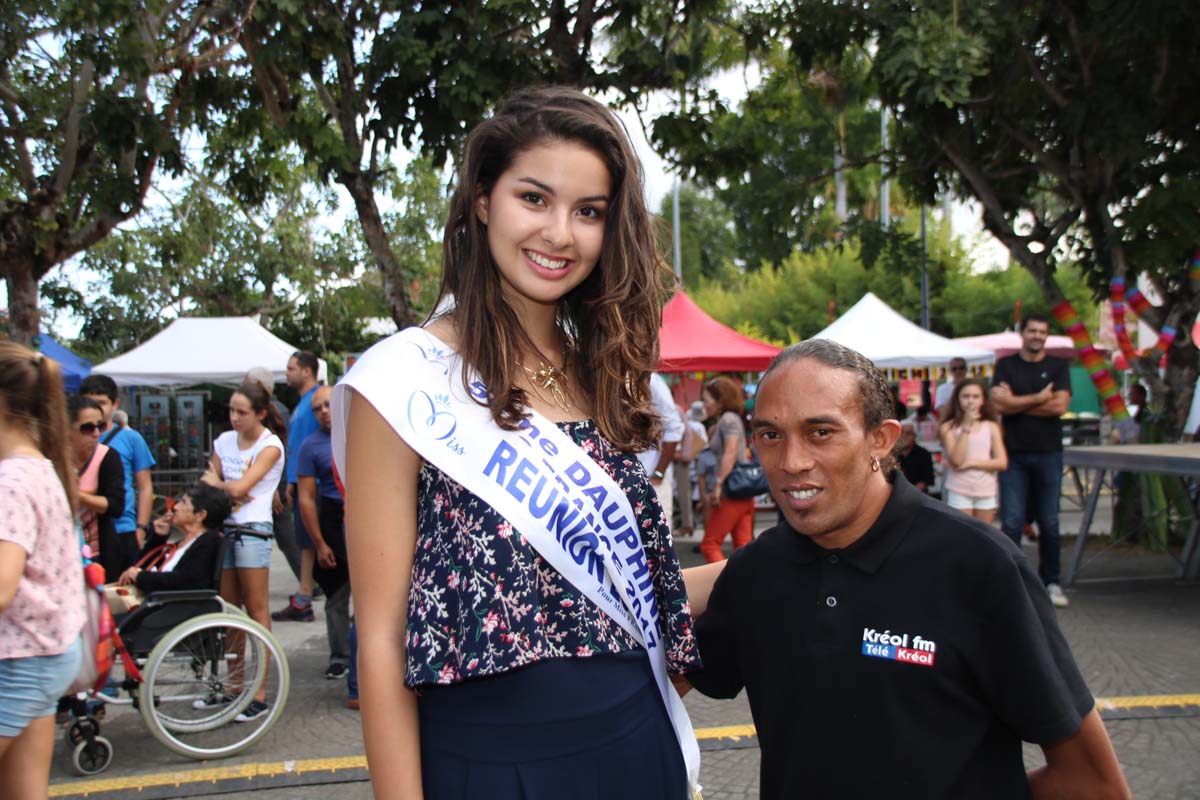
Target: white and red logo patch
[898,647]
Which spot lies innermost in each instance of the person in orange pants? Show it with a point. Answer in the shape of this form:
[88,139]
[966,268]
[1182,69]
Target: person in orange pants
[722,399]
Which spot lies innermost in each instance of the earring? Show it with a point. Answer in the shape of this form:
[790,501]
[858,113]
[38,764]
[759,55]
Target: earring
[874,464]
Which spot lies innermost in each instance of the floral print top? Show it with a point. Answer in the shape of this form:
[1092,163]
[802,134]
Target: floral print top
[482,601]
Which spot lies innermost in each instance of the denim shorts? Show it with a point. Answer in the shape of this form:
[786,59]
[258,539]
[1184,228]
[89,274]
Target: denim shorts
[249,552]
[30,687]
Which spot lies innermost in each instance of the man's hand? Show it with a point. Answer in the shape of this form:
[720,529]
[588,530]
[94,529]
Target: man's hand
[1002,391]
[129,576]
[325,556]
[1046,394]
[276,503]
[290,495]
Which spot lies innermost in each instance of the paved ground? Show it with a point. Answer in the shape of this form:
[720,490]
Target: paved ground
[1133,638]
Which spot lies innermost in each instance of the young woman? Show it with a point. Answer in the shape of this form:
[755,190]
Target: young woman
[516,683]
[41,573]
[723,515]
[246,463]
[973,451]
[101,484]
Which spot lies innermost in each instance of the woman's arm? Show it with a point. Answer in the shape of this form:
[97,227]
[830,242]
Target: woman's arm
[999,460]
[267,457]
[699,582]
[381,534]
[729,454]
[954,445]
[194,570]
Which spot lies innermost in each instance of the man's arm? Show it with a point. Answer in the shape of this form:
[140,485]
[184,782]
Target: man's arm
[145,501]
[1007,402]
[1058,404]
[307,491]
[1082,766]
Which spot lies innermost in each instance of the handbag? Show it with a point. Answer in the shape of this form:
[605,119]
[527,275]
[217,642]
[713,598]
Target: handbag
[123,599]
[98,634]
[746,479]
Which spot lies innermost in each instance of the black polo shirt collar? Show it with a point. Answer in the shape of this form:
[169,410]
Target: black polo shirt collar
[881,539]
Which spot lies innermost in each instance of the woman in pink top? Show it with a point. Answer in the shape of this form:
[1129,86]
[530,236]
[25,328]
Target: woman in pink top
[41,574]
[972,451]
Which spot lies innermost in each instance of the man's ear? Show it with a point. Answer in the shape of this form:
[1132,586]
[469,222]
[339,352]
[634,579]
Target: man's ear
[884,438]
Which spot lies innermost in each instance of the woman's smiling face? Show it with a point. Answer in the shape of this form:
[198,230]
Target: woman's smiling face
[545,218]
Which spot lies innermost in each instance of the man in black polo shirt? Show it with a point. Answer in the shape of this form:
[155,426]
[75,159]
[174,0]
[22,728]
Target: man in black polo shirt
[889,646]
[1032,390]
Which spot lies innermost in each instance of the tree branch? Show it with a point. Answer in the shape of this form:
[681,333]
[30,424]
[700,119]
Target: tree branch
[12,110]
[70,145]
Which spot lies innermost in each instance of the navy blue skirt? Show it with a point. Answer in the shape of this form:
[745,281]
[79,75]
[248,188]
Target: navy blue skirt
[578,728]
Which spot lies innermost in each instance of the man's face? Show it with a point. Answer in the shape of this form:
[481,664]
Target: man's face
[1033,336]
[815,451]
[958,370]
[320,407]
[295,375]
[107,406]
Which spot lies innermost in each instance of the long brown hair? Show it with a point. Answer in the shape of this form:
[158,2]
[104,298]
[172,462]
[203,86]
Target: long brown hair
[260,401]
[35,401]
[727,394]
[986,411]
[612,318]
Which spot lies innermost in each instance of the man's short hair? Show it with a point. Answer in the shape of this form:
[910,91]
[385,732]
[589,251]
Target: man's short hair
[874,395]
[99,384]
[306,359]
[262,376]
[1035,317]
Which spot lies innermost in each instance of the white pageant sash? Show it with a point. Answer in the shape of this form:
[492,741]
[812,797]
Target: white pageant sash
[560,500]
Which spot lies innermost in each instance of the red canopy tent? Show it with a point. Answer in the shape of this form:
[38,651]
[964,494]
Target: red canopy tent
[692,341]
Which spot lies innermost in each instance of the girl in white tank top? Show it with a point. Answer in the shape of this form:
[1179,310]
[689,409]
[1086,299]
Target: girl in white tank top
[973,448]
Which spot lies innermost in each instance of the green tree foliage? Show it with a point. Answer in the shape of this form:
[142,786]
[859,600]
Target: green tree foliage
[350,80]
[95,97]
[792,302]
[708,241]
[1073,124]
[771,160]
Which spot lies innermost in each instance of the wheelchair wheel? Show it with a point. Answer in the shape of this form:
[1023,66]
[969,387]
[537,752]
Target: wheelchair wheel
[79,729]
[201,683]
[92,758]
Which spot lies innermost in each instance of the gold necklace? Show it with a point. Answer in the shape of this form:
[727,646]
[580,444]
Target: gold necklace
[550,377]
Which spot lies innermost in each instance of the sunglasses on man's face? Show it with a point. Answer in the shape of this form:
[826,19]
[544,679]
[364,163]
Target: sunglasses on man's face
[91,427]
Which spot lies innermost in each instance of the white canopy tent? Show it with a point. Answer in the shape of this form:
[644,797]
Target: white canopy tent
[896,345]
[194,350]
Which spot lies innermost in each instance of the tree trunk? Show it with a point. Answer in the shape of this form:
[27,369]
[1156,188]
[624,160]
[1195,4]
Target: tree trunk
[24,321]
[395,287]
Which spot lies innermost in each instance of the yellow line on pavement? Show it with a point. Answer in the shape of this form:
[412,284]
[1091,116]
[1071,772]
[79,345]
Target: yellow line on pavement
[1147,701]
[209,775]
[270,769]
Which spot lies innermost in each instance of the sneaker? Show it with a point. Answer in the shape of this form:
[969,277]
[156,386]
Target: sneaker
[318,593]
[1056,596]
[352,703]
[253,711]
[336,671]
[213,700]
[294,613]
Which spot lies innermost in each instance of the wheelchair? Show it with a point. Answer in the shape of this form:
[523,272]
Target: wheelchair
[192,666]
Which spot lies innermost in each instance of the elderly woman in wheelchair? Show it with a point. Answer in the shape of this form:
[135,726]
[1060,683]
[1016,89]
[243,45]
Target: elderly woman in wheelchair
[192,662]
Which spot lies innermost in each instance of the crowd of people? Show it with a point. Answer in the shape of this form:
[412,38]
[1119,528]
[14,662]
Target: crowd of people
[523,626]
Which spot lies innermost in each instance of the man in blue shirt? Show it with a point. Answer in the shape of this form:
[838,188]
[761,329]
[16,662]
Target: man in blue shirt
[302,376]
[137,460]
[321,509]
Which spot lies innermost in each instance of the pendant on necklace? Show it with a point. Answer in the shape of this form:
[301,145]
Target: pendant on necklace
[551,378]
